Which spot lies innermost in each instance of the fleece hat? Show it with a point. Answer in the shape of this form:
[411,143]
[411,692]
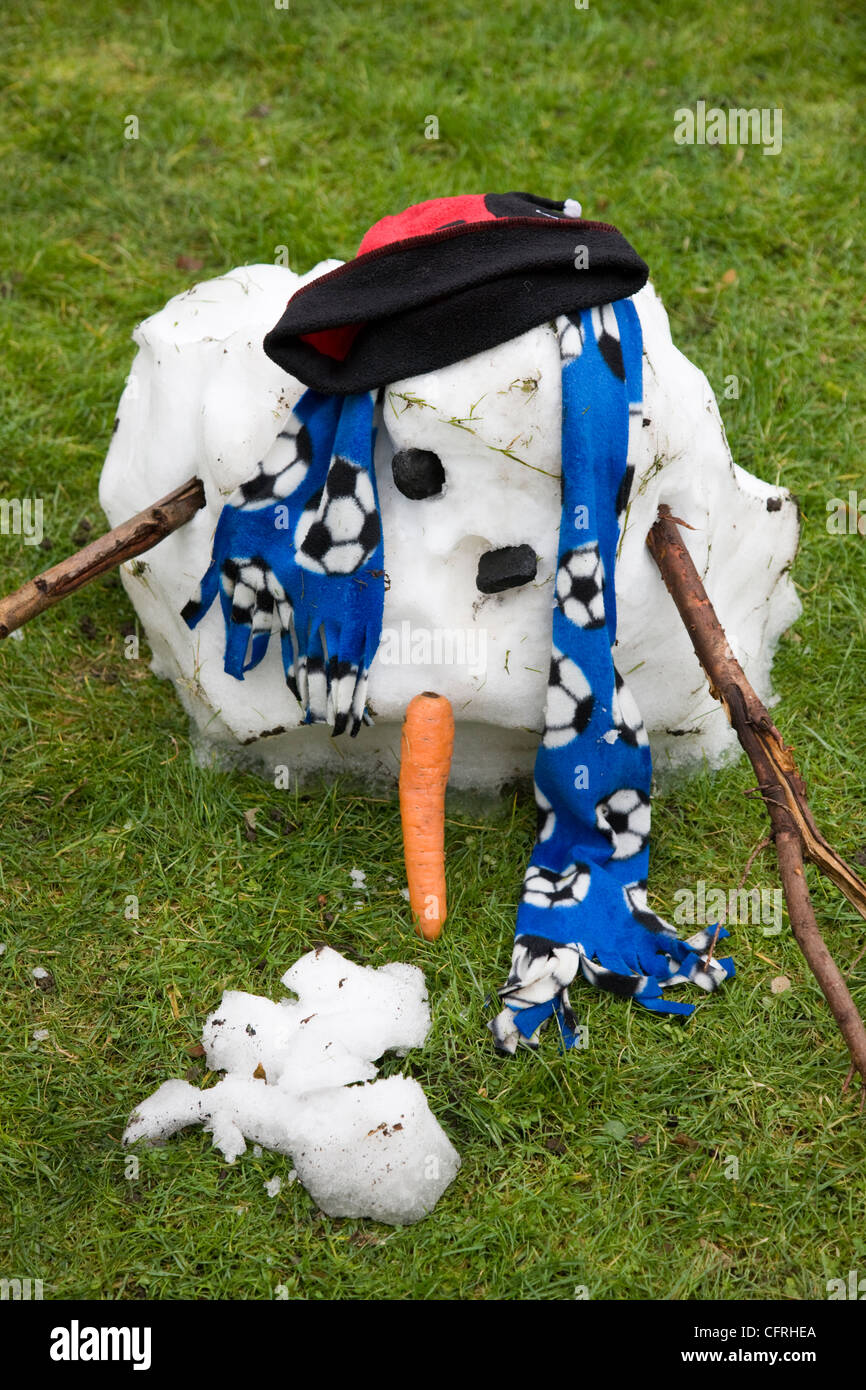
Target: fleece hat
[444,280]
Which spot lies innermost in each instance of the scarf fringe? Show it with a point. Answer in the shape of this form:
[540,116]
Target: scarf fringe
[532,997]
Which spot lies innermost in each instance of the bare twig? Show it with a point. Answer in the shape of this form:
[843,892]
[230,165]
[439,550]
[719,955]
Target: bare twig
[714,942]
[859,956]
[762,844]
[782,787]
[814,948]
[131,538]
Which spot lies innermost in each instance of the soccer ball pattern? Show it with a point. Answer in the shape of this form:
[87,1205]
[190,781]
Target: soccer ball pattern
[540,970]
[547,888]
[258,598]
[624,820]
[339,528]
[635,901]
[570,701]
[580,586]
[713,972]
[624,492]
[570,332]
[626,715]
[281,471]
[545,820]
[535,958]
[607,336]
[612,980]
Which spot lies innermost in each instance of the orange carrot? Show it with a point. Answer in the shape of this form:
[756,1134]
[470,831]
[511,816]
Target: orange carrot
[425,761]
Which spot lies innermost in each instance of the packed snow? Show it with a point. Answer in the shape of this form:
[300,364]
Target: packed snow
[203,398]
[299,1079]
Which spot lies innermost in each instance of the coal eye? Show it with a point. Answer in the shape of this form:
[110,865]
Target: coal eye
[418,473]
[507,568]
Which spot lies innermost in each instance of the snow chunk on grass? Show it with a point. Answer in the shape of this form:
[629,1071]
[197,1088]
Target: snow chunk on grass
[300,1080]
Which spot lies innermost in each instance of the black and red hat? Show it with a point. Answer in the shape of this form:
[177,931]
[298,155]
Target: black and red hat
[446,279]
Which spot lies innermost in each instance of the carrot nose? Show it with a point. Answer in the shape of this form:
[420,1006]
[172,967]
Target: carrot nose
[426,748]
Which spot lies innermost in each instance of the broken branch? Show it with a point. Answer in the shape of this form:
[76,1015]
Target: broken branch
[782,787]
[142,532]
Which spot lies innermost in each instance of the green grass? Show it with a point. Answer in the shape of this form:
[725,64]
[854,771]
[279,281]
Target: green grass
[604,1169]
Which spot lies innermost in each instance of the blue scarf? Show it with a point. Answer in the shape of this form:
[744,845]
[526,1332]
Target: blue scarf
[298,551]
[583,906]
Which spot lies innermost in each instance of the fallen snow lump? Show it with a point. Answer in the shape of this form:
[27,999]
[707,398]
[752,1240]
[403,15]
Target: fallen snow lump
[300,1080]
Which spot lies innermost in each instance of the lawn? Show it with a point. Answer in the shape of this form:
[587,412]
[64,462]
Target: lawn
[609,1171]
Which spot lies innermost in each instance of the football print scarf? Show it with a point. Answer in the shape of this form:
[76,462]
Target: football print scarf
[583,906]
[298,552]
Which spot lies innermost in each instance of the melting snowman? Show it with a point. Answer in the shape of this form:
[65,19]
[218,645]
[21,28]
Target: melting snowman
[467,478]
